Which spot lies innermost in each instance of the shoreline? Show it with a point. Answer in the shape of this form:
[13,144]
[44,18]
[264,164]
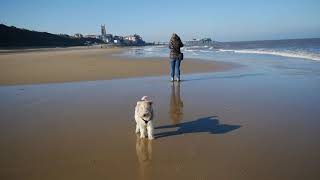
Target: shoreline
[42,66]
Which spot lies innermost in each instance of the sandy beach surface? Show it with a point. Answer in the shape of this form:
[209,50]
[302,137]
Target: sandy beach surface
[251,122]
[53,66]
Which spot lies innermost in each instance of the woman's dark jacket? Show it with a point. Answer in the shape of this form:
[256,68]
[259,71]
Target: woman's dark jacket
[174,45]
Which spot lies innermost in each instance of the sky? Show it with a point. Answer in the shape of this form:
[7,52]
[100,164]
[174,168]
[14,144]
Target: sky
[156,20]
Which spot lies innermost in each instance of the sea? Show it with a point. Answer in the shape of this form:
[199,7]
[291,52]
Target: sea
[308,49]
[297,56]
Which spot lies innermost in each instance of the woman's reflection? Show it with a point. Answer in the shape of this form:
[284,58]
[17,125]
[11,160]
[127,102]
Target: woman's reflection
[176,104]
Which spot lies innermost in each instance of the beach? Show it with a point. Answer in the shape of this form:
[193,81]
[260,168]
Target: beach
[87,64]
[70,115]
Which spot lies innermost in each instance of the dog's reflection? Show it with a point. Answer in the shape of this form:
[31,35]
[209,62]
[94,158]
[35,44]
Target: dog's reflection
[144,150]
[144,154]
[176,104]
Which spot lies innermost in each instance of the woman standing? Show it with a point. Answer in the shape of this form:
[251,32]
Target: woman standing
[175,56]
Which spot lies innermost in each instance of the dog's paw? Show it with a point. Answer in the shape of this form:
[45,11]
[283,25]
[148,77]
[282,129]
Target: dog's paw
[151,138]
[142,137]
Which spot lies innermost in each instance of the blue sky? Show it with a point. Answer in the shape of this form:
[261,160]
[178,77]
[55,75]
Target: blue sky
[155,20]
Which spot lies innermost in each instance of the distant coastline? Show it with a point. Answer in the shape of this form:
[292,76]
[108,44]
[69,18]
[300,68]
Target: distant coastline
[12,37]
[17,38]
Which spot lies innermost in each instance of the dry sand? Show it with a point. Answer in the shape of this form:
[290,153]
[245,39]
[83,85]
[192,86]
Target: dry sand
[54,66]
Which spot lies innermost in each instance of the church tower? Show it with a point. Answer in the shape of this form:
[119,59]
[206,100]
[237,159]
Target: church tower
[103,31]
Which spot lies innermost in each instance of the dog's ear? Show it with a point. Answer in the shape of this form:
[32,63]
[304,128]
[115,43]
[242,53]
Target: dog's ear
[144,98]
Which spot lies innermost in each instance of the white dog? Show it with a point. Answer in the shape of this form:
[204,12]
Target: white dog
[143,116]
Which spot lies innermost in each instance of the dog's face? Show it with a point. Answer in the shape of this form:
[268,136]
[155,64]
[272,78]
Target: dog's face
[145,110]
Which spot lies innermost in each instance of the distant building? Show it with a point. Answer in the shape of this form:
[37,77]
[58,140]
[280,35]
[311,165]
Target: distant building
[103,30]
[120,40]
[134,40]
[103,33]
[108,38]
[92,36]
[199,42]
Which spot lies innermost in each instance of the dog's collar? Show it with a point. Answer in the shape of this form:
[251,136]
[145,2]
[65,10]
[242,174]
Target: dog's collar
[145,121]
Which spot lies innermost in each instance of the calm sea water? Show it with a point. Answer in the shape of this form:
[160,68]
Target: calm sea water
[308,49]
[295,56]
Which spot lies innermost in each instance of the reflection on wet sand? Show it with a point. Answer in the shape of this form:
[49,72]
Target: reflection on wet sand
[176,104]
[144,154]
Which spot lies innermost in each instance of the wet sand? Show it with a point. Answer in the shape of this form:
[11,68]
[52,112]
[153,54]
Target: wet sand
[87,64]
[207,127]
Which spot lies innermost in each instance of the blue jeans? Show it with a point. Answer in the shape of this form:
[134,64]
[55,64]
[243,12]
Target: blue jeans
[175,68]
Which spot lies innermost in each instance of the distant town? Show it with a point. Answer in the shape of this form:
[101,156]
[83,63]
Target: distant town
[110,39]
[12,37]
[135,39]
